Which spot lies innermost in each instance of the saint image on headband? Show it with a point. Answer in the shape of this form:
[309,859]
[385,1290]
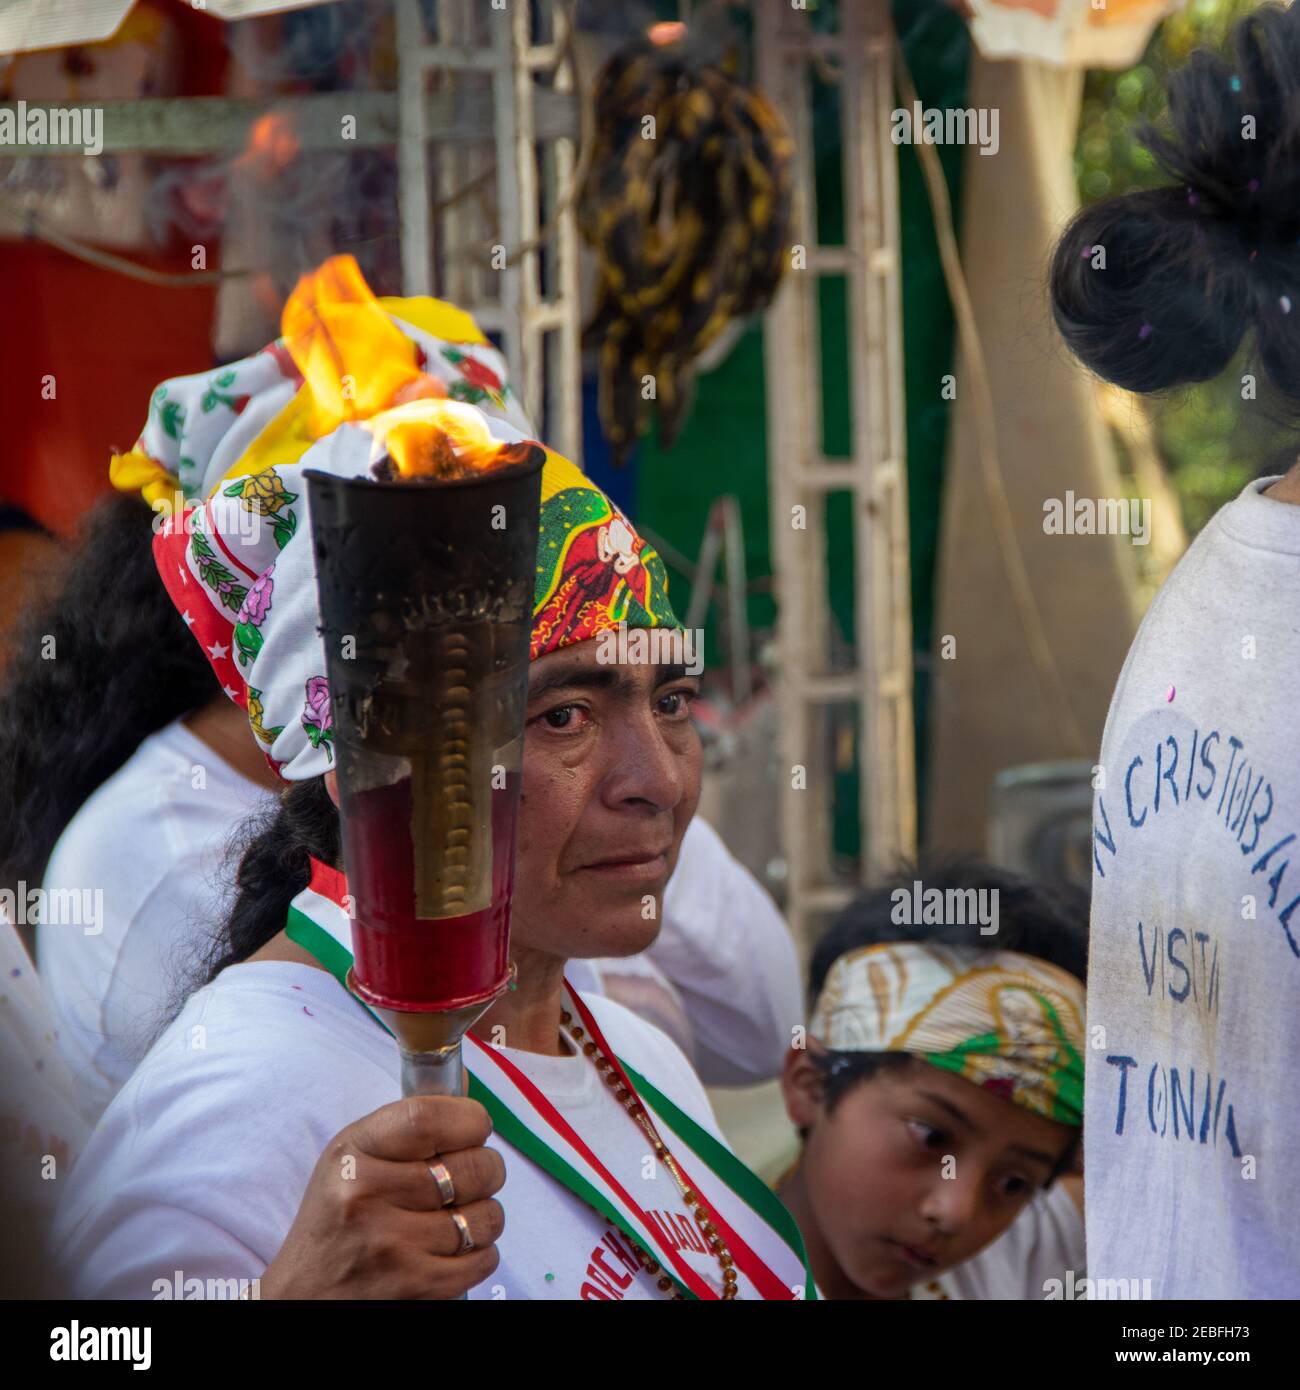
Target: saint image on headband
[593,571]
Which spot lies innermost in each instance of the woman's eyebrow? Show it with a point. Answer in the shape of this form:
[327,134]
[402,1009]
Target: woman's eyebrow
[599,678]
[674,672]
[576,678]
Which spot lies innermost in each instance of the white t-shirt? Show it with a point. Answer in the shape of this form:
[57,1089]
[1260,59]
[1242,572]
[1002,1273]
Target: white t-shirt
[1194,978]
[152,843]
[722,979]
[197,1168]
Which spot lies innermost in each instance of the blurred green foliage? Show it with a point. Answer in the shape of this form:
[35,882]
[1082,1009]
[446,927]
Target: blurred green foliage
[1212,441]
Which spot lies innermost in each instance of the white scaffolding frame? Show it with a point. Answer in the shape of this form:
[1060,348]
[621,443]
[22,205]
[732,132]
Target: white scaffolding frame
[875,476]
[473,43]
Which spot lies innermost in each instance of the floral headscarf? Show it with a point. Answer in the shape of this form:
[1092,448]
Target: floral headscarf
[237,441]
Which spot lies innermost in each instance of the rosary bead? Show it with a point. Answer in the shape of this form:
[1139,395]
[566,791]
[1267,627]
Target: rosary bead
[629,1099]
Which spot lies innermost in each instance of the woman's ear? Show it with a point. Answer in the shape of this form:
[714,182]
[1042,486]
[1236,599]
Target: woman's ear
[802,1085]
[332,786]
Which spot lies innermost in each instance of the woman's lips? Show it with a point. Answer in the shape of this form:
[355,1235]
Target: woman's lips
[639,868]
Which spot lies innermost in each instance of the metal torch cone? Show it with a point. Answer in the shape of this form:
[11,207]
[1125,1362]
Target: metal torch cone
[426,609]
[430,1044]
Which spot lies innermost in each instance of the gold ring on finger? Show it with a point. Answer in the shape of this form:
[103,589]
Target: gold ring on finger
[466,1240]
[446,1188]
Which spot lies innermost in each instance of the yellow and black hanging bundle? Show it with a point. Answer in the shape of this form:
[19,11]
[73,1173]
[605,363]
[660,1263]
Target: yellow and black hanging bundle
[687,202]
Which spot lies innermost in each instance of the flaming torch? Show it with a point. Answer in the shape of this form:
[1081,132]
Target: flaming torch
[425,572]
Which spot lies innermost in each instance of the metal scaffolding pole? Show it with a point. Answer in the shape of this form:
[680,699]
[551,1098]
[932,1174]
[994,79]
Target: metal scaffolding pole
[473,45]
[801,477]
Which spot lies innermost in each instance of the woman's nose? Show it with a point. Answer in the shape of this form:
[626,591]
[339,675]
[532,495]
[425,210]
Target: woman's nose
[648,768]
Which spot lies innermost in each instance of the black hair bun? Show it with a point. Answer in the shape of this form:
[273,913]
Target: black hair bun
[1156,288]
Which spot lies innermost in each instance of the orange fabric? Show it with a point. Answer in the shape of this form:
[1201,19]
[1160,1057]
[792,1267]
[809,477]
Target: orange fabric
[107,341]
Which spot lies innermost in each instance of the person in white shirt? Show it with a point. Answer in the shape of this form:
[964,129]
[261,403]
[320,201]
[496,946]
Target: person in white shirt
[115,985]
[1195,950]
[125,767]
[228,1155]
[938,1094]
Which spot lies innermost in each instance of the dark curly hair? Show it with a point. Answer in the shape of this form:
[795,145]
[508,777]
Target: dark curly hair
[1190,267]
[91,673]
[274,851]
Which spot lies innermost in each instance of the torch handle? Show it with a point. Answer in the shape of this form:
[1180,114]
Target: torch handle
[440,1073]
[434,1074]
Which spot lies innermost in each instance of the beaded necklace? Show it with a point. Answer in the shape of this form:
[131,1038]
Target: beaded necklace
[693,1202]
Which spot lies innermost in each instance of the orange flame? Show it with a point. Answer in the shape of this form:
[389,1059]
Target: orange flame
[440,439]
[350,353]
[666,31]
[360,366]
[272,146]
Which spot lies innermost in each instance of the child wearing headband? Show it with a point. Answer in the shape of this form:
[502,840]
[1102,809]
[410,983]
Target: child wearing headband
[939,1091]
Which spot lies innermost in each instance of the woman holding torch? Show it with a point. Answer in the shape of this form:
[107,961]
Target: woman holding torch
[236,1151]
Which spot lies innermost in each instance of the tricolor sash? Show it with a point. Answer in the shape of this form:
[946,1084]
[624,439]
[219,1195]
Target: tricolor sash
[770,1253]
